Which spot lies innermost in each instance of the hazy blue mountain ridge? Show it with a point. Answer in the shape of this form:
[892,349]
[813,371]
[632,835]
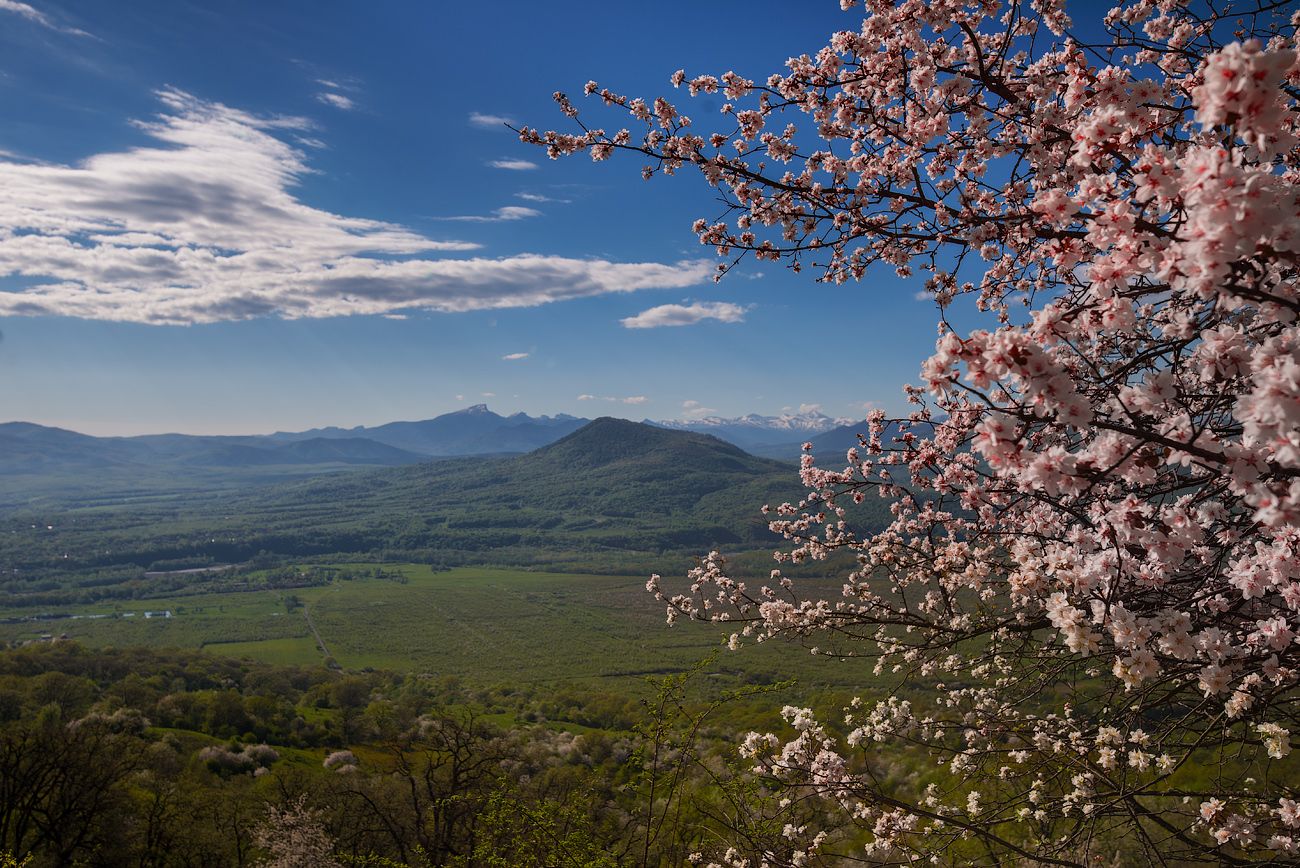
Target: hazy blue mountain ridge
[475,430]
[26,448]
[829,446]
[42,466]
[614,495]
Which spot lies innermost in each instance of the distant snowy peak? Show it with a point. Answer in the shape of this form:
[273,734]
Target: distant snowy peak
[809,422]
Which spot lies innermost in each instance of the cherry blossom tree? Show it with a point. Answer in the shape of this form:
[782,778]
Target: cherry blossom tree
[1092,579]
[295,837]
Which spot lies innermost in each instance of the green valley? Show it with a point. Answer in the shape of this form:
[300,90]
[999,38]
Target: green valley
[615,497]
[486,626]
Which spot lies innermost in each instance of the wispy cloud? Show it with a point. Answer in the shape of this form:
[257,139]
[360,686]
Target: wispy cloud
[685,314]
[20,158]
[514,357]
[538,197]
[613,399]
[513,165]
[338,100]
[500,215]
[696,410]
[36,16]
[202,224]
[490,122]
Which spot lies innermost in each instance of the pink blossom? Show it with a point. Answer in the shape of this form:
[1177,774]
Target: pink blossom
[1094,499]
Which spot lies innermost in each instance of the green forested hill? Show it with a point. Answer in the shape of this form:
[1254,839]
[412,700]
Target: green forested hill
[613,496]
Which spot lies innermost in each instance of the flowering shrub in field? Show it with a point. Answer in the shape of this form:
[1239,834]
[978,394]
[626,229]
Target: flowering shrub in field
[1093,572]
[252,758]
[341,761]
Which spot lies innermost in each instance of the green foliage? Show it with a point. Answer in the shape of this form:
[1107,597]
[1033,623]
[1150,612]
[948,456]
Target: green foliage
[543,834]
[176,759]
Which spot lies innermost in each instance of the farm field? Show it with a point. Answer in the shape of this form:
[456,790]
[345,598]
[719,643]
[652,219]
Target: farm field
[486,626]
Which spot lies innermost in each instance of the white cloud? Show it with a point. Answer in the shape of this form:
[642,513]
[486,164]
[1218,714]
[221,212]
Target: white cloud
[515,165]
[514,357]
[682,314]
[201,224]
[500,215]
[330,83]
[29,12]
[537,197]
[515,212]
[488,394]
[491,122]
[614,399]
[36,16]
[338,100]
[633,399]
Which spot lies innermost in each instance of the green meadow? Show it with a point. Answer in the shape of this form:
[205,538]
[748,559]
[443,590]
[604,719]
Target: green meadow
[485,626]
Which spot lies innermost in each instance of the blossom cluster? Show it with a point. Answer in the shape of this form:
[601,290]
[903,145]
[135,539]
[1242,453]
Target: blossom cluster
[1094,555]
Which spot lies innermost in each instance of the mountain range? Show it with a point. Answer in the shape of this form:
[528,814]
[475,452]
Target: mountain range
[41,465]
[475,430]
[613,495]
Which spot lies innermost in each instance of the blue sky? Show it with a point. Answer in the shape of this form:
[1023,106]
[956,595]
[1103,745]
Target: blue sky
[246,217]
